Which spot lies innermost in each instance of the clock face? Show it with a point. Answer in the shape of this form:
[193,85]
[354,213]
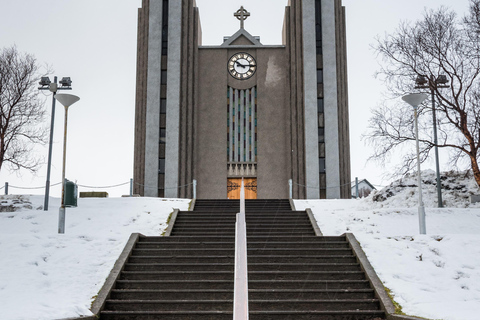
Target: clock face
[242,66]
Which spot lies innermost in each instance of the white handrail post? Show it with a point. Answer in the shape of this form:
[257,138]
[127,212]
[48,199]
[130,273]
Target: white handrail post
[290,184]
[194,188]
[240,296]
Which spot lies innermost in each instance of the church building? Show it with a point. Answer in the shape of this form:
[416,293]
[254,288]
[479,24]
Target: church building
[275,115]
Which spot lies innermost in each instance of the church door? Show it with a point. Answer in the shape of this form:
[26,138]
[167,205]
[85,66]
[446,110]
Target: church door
[234,186]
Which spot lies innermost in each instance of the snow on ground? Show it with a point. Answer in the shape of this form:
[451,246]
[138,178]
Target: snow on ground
[435,276]
[44,275]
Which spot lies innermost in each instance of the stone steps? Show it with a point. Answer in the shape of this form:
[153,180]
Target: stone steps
[189,275]
[292,273]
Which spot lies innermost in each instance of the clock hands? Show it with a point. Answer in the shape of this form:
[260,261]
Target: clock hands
[242,65]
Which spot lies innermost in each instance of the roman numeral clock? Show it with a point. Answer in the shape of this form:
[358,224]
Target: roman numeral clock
[242,66]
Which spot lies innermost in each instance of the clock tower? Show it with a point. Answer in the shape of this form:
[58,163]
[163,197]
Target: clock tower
[273,115]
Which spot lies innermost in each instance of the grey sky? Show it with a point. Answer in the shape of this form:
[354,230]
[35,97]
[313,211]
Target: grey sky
[94,42]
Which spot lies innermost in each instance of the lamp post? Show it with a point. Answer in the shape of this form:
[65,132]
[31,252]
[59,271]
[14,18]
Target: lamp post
[66,100]
[46,84]
[422,82]
[415,99]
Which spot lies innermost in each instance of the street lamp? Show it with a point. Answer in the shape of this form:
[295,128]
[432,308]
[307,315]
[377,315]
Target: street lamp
[415,99]
[46,84]
[423,82]
[66,100]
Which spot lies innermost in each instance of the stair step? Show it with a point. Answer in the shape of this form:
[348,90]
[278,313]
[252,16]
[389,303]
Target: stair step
[179,266]
[288,294]
[311,284]
[179,275]
[313,305]
[182,251]
[202,233]
[251,215]
[280,225]
[279,228]
[169,284]
[275,217]
[305,275]
[209,216]
[189,239]
[219,230]
[309,245]
[172,294]
[304,267]
[182,259]
[301,259]
[317,315]
[217,210]
[166,315]
[169,305]
[255,294]
[204,226]
[206,220]
[291,238]
[191,215]
[272,233]
[161,245]
[299,251]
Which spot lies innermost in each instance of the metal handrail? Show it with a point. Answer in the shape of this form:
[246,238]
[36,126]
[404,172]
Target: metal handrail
[240,296]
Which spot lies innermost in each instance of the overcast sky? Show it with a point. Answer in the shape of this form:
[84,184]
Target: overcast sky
[94,43]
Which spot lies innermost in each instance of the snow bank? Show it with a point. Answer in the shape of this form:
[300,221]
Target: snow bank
[457,187]
[44,275]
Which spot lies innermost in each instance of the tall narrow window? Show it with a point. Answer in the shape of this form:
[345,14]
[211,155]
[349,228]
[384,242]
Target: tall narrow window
[242,125]
[319,76]
[163,101]
[165,28]
[163,133]
[320,105]
[163,106]
[320,102]
[161,166]
[321,135]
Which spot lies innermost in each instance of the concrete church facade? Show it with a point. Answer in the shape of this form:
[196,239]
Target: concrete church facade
[216,114]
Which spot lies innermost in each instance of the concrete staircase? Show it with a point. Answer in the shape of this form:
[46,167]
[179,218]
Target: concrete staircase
[293,274]
[188,275]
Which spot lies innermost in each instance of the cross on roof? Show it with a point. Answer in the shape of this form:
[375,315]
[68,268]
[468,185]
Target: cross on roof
[242,15]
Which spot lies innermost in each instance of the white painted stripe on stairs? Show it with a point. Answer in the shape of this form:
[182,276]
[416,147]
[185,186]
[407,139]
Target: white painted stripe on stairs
[240,296]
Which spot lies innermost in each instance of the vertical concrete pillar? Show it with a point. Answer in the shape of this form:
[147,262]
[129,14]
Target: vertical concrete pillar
[312,176]
[173,98]
[332,154]
[152,125]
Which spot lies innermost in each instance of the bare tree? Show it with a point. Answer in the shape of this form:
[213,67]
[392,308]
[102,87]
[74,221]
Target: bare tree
[439,44]
[472,20]
[21,111]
